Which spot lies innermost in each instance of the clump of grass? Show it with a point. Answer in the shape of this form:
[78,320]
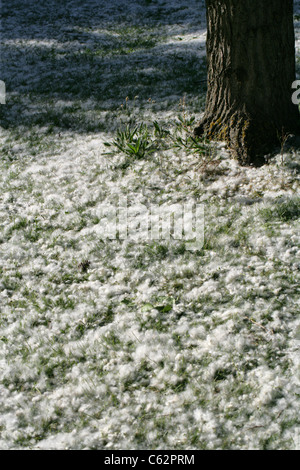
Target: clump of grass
[184,139]
[84,265]
[282,211]
[135,142]
[183,136]
[140,141]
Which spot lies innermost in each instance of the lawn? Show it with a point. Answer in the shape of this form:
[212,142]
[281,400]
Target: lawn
[137,343]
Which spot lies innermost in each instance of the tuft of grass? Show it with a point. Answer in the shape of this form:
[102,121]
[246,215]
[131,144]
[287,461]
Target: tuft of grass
[140,141]
[135,143]
[282,211]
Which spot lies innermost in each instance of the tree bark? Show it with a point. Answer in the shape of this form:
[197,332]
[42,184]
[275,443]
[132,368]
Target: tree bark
[250,50]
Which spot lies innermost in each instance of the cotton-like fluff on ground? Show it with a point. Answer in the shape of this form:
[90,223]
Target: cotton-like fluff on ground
[136,343]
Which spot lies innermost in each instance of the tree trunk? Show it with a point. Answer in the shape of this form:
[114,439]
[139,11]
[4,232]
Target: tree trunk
[251,67]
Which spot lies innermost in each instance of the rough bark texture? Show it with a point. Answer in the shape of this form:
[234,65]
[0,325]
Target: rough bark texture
[251,67]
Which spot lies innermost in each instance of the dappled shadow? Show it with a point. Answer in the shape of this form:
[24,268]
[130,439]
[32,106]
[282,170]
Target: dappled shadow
[67,63]
[58,20]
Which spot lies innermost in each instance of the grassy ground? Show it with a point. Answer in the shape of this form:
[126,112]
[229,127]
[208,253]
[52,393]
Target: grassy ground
[124,344]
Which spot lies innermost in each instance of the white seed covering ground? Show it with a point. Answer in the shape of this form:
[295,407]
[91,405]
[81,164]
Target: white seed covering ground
[123,344]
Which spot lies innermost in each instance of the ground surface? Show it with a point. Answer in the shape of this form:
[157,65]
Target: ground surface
[124,344]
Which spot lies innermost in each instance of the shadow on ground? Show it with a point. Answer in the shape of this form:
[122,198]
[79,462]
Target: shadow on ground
[67,63]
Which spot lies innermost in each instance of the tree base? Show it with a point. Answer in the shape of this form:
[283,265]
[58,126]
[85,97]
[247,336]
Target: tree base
[249,139]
